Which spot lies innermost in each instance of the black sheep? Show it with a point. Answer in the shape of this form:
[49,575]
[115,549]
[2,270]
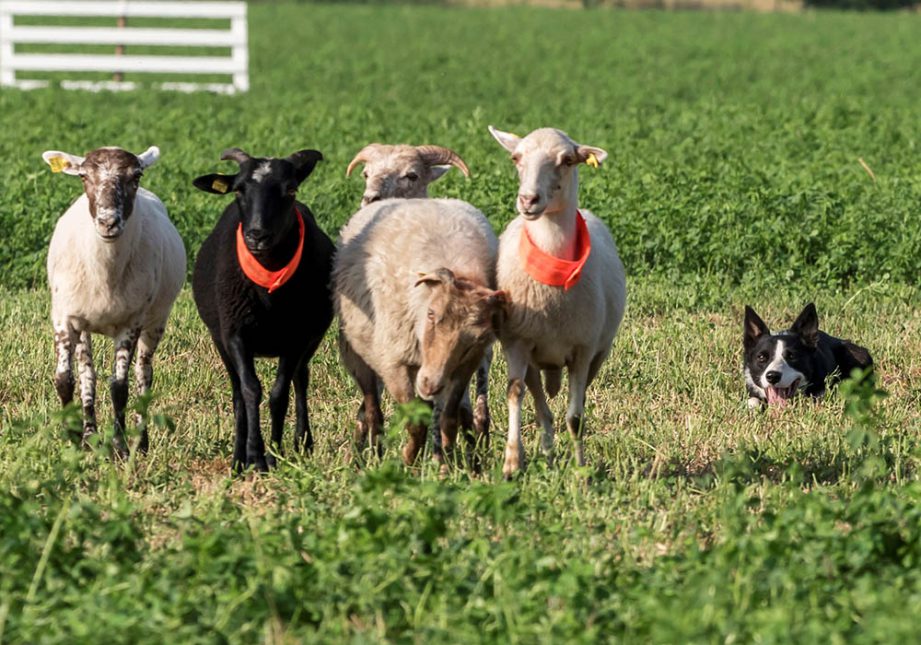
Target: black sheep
[287,317]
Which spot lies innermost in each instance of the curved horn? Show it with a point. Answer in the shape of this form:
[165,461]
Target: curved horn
[439,156]
[364,156]
[235,154]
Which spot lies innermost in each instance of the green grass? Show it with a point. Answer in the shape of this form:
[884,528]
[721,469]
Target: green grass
[733,179]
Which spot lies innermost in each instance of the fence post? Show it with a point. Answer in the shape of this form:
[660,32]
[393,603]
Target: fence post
[7,73]
[120,49]
[240,51]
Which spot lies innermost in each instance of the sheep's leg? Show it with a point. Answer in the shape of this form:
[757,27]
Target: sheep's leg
[143,375]
[239,411]
[595,367]
[517,358]
[578,383]
[125,345]
[448,422]
[448,425]
[64,339]
[251,394]
[469,419]
[481,418]
[84,352]
[303,437]
[544,415]
[370,416]
[278,403]
[400,385]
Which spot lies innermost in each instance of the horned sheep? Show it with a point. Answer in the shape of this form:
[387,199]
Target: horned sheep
[565,283]
[115,266]
[414,287]
[406,171]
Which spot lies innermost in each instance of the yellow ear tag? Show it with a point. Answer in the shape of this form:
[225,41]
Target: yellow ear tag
[220,186]
[58,164]
[592,160]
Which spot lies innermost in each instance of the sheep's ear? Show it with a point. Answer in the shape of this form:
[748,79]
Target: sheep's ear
[754,327]
[63,162]
[149,157]
[439,276]
[507,140]
[304,162]
[806,325]
[438,171]
[591,155]
[217,184]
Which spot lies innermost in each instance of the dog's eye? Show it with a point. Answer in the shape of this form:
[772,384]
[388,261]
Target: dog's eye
[789,355]
[762,357]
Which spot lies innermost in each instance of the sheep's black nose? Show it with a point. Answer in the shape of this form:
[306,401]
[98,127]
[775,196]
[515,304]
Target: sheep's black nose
[772,377]
[257,235]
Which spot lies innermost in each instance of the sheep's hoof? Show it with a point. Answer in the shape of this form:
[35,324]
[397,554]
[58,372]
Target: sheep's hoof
[410,452]
[89,431]
[119,447]
[258,463]
[481,420]
[303,446]
[514,462]
[271,461]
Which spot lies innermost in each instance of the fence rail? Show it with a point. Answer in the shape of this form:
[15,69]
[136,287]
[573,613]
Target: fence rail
[235,38]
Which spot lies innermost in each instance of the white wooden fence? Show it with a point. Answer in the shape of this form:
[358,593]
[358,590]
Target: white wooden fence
[12,62]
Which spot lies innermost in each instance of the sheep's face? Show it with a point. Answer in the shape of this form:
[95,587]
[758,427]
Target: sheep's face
[454,330]
[265,190]
[547,161]
[402,171]
[110,180]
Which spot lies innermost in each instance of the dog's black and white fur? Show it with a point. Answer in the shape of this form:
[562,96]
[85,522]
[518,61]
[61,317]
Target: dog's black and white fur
[800,360]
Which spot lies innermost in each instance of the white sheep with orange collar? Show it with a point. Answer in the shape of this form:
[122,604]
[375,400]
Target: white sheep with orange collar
[115,266]
[565,283]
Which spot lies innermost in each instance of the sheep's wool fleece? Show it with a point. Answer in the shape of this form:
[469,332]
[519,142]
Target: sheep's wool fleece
[105,287]
[383,250]
[553,321]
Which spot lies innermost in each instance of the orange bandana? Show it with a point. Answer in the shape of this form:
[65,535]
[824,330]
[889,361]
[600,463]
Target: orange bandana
[551,270]
[271,280]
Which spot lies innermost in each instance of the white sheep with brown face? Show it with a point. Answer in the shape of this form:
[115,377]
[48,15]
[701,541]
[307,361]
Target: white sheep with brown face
[550,327]
[115,266]
[402,170]
[414,288]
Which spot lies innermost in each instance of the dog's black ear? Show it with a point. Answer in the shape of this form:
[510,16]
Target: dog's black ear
[850,356]
[754,327]
[806,325]
[217,184]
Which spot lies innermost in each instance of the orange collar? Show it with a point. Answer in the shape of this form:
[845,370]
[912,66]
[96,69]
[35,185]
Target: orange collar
[551,270]
[270,280]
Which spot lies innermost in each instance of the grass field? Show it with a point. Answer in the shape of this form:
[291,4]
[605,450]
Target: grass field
[733,178]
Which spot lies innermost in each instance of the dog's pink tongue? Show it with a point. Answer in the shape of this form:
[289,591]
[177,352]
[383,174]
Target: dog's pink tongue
[774,397]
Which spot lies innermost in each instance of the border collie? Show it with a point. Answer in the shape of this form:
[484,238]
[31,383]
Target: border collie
[800,360]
